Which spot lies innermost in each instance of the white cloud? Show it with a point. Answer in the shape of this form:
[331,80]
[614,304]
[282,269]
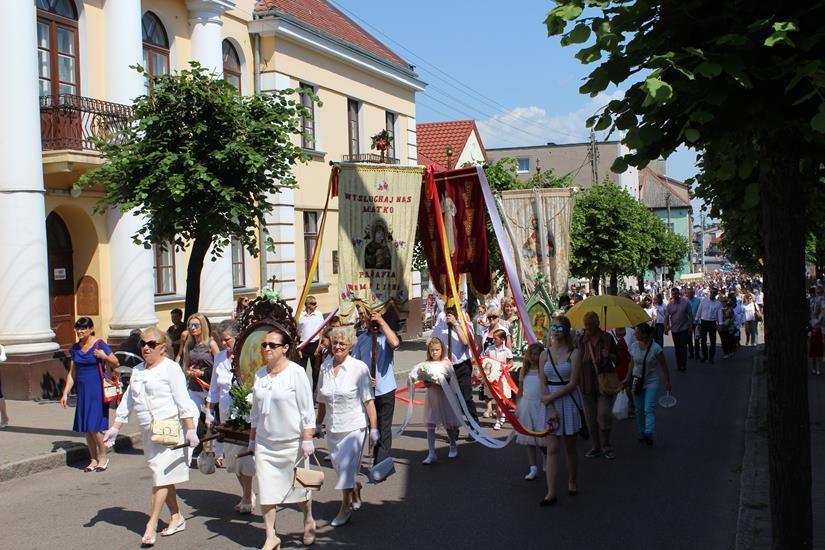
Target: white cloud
[536,126]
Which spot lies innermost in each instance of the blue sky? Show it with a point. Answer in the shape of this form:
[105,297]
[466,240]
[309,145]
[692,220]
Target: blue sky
[493,62]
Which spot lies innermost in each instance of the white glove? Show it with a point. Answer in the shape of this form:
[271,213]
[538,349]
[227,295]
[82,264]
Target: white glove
[210,418]
[374,433]
[191,438]
[307,447]
[251,446]
[110,436]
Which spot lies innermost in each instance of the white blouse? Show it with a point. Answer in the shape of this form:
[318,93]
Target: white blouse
[161,388]
[344,395]
[282,405]
[220,383]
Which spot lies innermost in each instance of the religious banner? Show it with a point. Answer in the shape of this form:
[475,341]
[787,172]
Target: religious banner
[465,222]
[539,224]
[377,215]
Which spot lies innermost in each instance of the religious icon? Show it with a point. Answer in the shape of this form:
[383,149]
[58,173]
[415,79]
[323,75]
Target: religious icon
[449,212]
[377,251]
[540,320]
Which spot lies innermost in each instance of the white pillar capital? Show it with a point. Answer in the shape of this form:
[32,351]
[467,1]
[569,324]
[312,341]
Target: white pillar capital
[205,23]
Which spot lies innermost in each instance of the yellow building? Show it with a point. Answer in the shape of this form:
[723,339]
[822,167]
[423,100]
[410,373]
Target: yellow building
[60,260]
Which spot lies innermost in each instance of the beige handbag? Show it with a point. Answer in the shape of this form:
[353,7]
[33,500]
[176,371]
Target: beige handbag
[165,431]
[306,478]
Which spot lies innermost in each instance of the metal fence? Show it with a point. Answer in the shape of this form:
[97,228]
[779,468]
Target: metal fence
[71,121]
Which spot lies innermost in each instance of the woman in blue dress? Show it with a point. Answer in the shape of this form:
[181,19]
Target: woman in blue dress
[91,415]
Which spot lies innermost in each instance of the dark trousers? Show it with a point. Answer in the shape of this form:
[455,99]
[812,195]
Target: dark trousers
[659,335]
[728,341]
[463,375]
[708,328]
[308,355]
[693,342]
[680,342]
[384,409]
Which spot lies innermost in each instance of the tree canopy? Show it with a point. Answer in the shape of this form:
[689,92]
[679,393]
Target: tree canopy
[198,163]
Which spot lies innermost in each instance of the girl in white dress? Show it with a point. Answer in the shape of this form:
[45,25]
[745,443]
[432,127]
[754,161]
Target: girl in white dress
[437,409]
[157,390]
[530,410]
[345,402]
[283,423]
[560,392]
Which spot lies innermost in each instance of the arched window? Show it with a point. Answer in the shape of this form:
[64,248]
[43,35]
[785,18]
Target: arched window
[155,48]
[57,47]
[231,65]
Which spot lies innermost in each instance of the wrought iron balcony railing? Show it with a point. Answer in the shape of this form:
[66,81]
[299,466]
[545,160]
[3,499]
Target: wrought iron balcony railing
[71,121]
[370,157]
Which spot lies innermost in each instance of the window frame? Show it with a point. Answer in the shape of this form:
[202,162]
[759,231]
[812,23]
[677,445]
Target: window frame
[353,126]
[229,70]
[235,244]
[390,120]
[308,126]
[310,240]
[54,21]
[527,160]
[150,47]
[158,268]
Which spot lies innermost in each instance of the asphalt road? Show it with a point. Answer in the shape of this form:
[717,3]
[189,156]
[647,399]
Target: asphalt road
[683,493]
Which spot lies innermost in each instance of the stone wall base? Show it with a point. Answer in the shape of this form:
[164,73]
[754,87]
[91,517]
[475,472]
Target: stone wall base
[35,376]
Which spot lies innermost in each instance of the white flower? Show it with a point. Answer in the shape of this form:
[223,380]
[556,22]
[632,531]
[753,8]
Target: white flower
[247,419]
[249,398]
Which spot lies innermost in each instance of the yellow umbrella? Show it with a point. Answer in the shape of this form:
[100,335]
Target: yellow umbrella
[613,312]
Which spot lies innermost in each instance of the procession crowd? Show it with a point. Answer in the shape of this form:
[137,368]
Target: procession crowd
[557,393]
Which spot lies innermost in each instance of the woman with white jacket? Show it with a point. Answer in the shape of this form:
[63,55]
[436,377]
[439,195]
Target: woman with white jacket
[157,391]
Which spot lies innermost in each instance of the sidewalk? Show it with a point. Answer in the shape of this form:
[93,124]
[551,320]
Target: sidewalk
[40,436]
[753,531]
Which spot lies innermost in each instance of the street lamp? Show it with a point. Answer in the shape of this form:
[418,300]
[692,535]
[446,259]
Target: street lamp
[538,173]
[449,151]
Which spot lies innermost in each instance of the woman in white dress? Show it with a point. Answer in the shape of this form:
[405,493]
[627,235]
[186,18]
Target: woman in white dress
[560,392]
[283,423]
[530,410]
[437,409]
[345,401]
[157,390]
[219,386]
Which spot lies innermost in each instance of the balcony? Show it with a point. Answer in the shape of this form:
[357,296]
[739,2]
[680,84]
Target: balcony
[68,126]
[371,158]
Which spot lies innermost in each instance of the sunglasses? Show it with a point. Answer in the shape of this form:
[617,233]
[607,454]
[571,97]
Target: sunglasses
[492,316]
[557,328]
[312,303]
[271,345]
[194,325]
[151,343]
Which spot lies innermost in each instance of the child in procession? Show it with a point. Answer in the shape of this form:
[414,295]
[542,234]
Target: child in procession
[501,353]
[437,410]
[531,411]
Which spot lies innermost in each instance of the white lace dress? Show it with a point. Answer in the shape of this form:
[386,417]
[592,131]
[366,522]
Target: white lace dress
[531,412]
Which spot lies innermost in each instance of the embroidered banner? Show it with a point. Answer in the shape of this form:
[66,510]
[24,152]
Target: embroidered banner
[465,223]
[377,215]
[531,214]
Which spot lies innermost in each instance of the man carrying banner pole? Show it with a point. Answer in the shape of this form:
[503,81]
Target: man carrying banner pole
[375,346]
[454,338]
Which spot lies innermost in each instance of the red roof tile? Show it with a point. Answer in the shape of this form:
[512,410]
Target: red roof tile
[432,139]
[327,18]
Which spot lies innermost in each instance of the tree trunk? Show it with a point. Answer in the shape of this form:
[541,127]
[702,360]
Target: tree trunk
[789,436]
[614,284]
[595,284]
[193,274]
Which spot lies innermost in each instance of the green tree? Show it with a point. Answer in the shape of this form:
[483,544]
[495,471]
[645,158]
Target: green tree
[672,251]
[743,83]
[198,162]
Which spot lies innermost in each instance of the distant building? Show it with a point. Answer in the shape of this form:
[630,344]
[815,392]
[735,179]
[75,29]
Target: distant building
[460,136]
[574,159]
[669,199]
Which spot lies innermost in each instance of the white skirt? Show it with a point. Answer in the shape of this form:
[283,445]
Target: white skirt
[345,451]
[275,473]
[244,466]
[169,467]
[437,409]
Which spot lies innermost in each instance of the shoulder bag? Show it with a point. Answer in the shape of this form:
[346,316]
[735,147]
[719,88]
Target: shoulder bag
[112,391]
[609,383]
[639,381]
[583,431]
[164,431]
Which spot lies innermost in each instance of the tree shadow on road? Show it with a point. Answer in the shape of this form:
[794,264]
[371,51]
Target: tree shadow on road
[130,520]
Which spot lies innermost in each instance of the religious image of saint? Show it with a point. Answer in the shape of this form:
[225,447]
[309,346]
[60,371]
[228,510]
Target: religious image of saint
[449,211]
[377,251]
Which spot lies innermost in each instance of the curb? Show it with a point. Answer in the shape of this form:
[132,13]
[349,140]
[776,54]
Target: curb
[753,524]
[62,457]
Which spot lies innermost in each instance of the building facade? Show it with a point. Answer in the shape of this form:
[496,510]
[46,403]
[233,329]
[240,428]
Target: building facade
[73,81]
[669,199]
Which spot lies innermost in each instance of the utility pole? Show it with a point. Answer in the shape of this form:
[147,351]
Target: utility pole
[702,240]
[593,154]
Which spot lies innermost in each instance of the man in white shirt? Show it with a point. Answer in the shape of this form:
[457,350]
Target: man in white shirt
[454,338]
[308,324]
[710,317]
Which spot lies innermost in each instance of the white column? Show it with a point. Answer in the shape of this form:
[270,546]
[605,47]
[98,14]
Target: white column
[133,291]
[217,299]
[25,321]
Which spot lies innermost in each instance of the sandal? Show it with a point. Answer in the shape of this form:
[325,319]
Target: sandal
[91,467]
[244,508]
[219,463]
[593,453]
